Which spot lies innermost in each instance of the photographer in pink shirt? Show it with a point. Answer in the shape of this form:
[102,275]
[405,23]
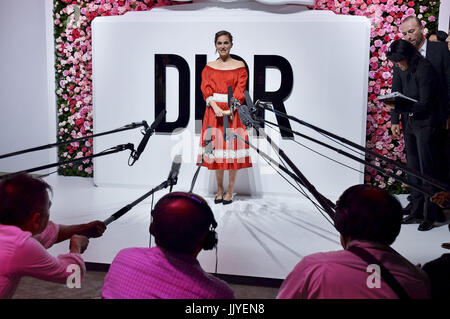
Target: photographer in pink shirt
[183,225]
[368,220]
[26,233]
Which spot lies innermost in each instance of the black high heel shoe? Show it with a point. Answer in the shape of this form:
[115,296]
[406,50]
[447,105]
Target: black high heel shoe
[218,201]
[226,202]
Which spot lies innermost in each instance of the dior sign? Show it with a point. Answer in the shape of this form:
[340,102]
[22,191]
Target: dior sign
[260,62]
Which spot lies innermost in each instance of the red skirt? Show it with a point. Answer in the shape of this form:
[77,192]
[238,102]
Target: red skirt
[232,153]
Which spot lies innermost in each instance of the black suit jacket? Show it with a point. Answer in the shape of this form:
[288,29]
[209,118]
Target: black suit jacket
[439,56]
[422,84]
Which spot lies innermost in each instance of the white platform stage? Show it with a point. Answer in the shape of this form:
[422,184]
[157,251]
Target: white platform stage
[258,237]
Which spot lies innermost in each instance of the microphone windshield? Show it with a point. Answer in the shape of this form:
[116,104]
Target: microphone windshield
[248,100]
[175,169]
[230,95]
[265,105]
[158,119]
[246,118]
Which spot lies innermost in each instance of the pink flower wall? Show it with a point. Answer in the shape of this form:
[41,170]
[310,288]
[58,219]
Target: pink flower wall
[73,66]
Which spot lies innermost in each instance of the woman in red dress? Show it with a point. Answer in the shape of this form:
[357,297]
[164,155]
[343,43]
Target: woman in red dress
[232,154]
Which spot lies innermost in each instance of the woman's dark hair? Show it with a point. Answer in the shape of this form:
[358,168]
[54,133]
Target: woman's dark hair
[20,196]
[365,212]
[441,36]
[223,32]
[403,50]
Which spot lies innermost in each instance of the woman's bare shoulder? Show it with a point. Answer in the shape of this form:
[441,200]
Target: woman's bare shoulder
[238,64]
[230,65]
[212,64]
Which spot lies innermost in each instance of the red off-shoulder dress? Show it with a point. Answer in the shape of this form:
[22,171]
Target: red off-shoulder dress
[235,153]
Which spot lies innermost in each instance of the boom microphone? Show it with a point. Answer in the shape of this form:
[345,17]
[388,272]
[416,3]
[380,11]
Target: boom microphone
[231,102]
[174,170]
[246,112]
[208,141]
[265,105]
[148,132]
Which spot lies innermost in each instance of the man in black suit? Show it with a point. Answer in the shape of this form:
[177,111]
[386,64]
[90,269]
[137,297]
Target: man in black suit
[435,52]
[415,77]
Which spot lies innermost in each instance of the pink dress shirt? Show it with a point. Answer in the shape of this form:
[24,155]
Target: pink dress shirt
[24,255]
[343,275]
[154,273]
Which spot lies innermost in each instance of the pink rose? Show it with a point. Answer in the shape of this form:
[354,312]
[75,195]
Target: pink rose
[410,12]
[376,90]
[386,75]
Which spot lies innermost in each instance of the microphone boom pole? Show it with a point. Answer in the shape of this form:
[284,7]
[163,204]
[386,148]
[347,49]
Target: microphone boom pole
[148,133]
[326,204]
[128,207]
[355,158]
[169,182]
[116,149]
[208,150]
[407,170]
[39,148]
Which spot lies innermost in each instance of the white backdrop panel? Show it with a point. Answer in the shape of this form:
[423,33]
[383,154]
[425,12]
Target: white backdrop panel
[329,58]
[27,108]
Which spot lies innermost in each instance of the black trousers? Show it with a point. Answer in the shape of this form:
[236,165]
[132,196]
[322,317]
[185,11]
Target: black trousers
[422,155]
[445,146]
[438,271]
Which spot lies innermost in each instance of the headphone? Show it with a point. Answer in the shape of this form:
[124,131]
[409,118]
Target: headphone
[341,215]
[210,240]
